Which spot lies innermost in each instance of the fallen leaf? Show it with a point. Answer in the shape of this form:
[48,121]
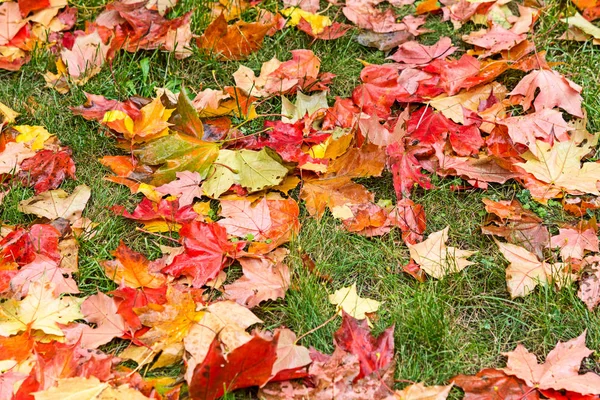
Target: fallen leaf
[12,156]
[493,384]
[525,271]
[436,259]
[232,42]
[262,280]
[57,203]
[560,371]
[419,391]
[132,269]
[415,53]
[102,311]
[560,165]
[243,219]
[574,242]
[374,354]
[39,310]
[248,365]
[186,187]
[554,91]
[207,249]
[47,170]
[348,301]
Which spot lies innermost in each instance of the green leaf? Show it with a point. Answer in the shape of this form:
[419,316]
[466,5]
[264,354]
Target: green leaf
[185,118]
[258,170]
[253,170]
[177,152]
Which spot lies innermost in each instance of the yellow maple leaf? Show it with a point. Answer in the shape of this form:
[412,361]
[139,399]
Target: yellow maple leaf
[34,135]
[79,388]
[317,22]
[560,165]
[436,259]
[348,300]
[151,124]
[9,114]
[39,310]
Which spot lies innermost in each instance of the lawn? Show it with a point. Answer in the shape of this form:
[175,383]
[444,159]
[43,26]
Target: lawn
[456,325]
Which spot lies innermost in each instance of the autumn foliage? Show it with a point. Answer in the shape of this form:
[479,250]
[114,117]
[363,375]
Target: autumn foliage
[228,197]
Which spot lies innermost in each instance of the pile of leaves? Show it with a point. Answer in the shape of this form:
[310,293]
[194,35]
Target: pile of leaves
[228,197]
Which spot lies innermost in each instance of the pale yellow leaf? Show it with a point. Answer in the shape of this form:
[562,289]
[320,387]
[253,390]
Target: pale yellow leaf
[436,259]
[348,300]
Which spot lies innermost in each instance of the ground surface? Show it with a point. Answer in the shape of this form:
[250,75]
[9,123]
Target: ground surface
[459,324]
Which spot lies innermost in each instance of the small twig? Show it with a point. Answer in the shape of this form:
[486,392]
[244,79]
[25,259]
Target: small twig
[137,228]
[316,329]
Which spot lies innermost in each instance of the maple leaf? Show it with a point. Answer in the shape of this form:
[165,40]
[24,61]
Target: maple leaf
[57,203]
[43,268]
[170,323]
[253,170]
[574,242]
[290,356]
[436,259]
[525,271]
[333,377]
[35,136]
[284,215]
[88,388]
[560,166]
[101,310]
[415,53]
[589,287]
[12,156]
[366,16]
[165,216]
[206,251]
[330,32]
[86,57]
[175,153]
[186,187]
[39,310]
[560,371]
[419,391]
[492,384]
[311,6]
[452,106]
[243,219]
[11,21]
[546,125]
[232,42]
[248,365]
[348,301]
[301,72]
[225,321]
[374,354]
[336,190]
[132,269]
[149,123]
[47,170]
[317,22]
[23,246]
[185,118]
[263,280]
[406,169]
[495,40]
[554,91]
[246,80]
[517,225]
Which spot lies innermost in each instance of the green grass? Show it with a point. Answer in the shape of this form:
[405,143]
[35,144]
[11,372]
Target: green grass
[459,324]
